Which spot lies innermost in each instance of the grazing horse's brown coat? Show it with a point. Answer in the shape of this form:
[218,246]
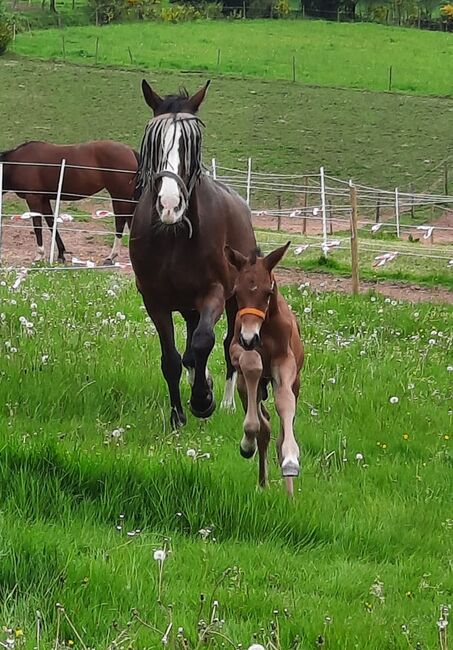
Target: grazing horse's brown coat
[38,183]
[177,243]
[266,347]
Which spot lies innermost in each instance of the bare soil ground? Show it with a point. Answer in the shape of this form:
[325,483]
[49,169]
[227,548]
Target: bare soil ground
[89,241]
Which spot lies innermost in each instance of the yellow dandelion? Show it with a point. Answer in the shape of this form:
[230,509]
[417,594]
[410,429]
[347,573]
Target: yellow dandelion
[409,594]
[446,437]
[405,436]
[70,643]
[19,633]
[384,446]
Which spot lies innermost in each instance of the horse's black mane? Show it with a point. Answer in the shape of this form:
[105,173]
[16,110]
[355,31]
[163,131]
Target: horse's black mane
[4,154]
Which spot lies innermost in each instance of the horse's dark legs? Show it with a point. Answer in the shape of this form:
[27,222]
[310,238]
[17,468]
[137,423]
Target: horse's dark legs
[170,361]
[37,227]
[202,401]
[192,319]
[42,205]
[123,215]
[231,374]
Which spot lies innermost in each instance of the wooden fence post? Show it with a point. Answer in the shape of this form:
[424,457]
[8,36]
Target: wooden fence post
[354,240]
[446,178]
[279,216]
[378,209]
[305,205]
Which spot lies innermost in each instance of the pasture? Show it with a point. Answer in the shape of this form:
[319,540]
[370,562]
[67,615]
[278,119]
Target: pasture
[359,559]
[326,53]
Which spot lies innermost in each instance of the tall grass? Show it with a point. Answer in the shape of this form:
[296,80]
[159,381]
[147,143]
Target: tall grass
[92,481]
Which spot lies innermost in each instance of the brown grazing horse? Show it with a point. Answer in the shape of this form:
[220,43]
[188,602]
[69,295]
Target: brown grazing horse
[181,225]
[266,347]
[38,183]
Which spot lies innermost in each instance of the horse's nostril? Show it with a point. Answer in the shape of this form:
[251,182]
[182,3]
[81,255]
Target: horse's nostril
[252,344]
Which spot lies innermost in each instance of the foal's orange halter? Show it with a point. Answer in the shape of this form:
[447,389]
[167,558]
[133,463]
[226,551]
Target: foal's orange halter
[252,312]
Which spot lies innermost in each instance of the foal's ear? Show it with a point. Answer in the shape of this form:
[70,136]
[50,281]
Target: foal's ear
[271,260]
[196,100]
[151,98]
[235,258]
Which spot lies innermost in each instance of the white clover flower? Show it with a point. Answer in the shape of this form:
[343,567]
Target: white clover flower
[159,555]
[432,341]
[191,453]
[449,368]
[307,310]
[373,298]
[394,400]
[330,312]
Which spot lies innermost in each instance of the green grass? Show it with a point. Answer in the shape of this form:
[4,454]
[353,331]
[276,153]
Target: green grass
[379,139]
[327,54]
[90,365]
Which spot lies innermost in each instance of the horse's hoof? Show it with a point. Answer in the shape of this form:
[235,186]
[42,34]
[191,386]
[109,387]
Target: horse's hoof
[290,467]
[247,453]
[203,414]
[108,262]
[177,419]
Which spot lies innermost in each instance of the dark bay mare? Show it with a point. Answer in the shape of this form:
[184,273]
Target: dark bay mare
[38,183]
[180,228]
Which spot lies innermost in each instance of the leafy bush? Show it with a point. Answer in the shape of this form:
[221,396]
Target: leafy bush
[107,11]
[281,8]
[213,10]
[179,13]
[447,12]
[6,29]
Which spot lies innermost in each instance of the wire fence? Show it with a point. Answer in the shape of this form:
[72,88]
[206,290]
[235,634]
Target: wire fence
[316,208]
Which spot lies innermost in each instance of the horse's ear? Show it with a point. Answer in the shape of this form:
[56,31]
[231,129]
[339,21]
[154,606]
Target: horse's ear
[151,98]
[235,258]
[196,100]
[271,260]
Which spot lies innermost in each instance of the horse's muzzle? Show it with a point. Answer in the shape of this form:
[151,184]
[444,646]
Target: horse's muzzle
[251,344]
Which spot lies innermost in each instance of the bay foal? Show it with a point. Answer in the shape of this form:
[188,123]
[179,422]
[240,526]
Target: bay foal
[266,347]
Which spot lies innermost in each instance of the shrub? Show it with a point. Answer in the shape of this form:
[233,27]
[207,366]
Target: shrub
[281,8]
[179,13]
[447,12]
[107,11]
[6,29]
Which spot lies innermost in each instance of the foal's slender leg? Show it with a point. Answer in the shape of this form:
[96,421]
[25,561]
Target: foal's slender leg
[170,361]
[37,204]
[231,374]
[37,227]
[251,367]
[122,216]
[202,402]
[284,376]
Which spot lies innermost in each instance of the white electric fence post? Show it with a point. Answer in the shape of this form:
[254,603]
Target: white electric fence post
[397,212]
[323,209]
[214,169]
[57,211]
[249,180]
[1,209]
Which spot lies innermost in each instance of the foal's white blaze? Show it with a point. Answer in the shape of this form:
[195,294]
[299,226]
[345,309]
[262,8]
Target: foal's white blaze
[169,194]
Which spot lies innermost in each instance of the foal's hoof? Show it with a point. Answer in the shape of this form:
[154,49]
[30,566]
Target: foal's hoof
[290,467]
[61,259]
[107,262]
[247,453]
[177,419]
[203,411]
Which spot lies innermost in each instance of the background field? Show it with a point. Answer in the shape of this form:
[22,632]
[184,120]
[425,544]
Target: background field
[366,542]
[327,54]
[379,139]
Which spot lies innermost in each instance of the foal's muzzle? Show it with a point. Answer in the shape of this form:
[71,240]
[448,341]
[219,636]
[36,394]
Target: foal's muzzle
[251,344]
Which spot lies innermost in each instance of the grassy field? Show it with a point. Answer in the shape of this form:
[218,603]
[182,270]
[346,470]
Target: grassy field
[327,54]
[380,139]
[88,459]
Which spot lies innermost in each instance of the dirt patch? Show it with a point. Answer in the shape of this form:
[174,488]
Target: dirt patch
[398,291]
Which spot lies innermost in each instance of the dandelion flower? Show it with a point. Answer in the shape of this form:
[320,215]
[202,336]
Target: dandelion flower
[191,453]
[405,436]
[359,456]
[159,555]
[446,437]
[449,368]
[394,400]
[256,646]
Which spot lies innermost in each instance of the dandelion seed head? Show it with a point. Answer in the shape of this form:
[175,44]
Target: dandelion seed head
[394,400]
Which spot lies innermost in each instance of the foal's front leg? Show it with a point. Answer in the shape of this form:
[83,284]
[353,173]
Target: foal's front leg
[202,402]
[250,366]
[284,375]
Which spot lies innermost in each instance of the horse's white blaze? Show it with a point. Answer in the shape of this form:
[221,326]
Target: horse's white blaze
[169,193]
[228,395]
